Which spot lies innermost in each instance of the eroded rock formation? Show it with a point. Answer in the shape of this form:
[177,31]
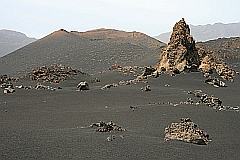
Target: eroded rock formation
[180,52]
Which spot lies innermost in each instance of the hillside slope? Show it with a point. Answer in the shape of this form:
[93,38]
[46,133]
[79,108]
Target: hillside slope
[92,51]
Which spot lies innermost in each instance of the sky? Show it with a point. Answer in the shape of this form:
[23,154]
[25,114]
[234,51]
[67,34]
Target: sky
[38,18]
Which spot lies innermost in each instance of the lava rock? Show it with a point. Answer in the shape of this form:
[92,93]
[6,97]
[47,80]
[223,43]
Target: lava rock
[186,131]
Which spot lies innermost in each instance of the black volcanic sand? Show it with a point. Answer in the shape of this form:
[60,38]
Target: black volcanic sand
[44,124]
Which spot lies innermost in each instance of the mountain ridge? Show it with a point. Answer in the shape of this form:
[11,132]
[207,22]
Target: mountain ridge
[12,40]
[208,32]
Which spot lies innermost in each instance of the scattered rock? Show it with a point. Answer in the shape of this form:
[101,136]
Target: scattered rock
[7,87]
[96,80]
[186,131]
[210,101]
[106,127]
[146,88]
[113,137]
[107,86]
[110,138]
[125,82]
[148,72]
[8,90]
[155,74]
[5,79]
[115,67]
[40,86]
[133,108]
[83,86]
[23,87]
[215,82]
[188,101]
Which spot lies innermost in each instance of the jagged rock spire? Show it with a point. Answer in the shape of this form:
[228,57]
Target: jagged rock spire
[180,52]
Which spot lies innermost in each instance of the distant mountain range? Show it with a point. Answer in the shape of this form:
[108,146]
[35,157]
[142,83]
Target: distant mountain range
[91,51]
[203,33]
[12,40]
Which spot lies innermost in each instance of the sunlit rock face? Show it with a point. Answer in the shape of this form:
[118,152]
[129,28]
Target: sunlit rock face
[180,52]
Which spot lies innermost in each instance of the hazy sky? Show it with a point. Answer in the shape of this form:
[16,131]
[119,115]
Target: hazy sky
[37,18]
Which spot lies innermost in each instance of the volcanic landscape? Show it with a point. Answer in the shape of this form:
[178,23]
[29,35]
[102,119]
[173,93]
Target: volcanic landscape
[110,94]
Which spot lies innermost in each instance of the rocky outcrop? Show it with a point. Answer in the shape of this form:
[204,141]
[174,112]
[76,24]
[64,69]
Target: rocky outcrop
[53,73]
[180,52]
[148,72]
[225,71]
[186,131]
[207,65]
[106,127]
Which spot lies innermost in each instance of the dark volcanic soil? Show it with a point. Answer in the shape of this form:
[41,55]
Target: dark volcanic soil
[44,124]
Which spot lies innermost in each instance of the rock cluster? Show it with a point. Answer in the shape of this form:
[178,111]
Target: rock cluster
[146,88]
[209,64]
[7,87]
[126,69]
[115,67]
[23,87]
[148,72]
[186,131]
[53,73]
[96,80]
[188,101]
[5,79]
[225,71]
[210,101]
[180,52]
[215,82]
[106,127]
[40,86]
[113,137]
